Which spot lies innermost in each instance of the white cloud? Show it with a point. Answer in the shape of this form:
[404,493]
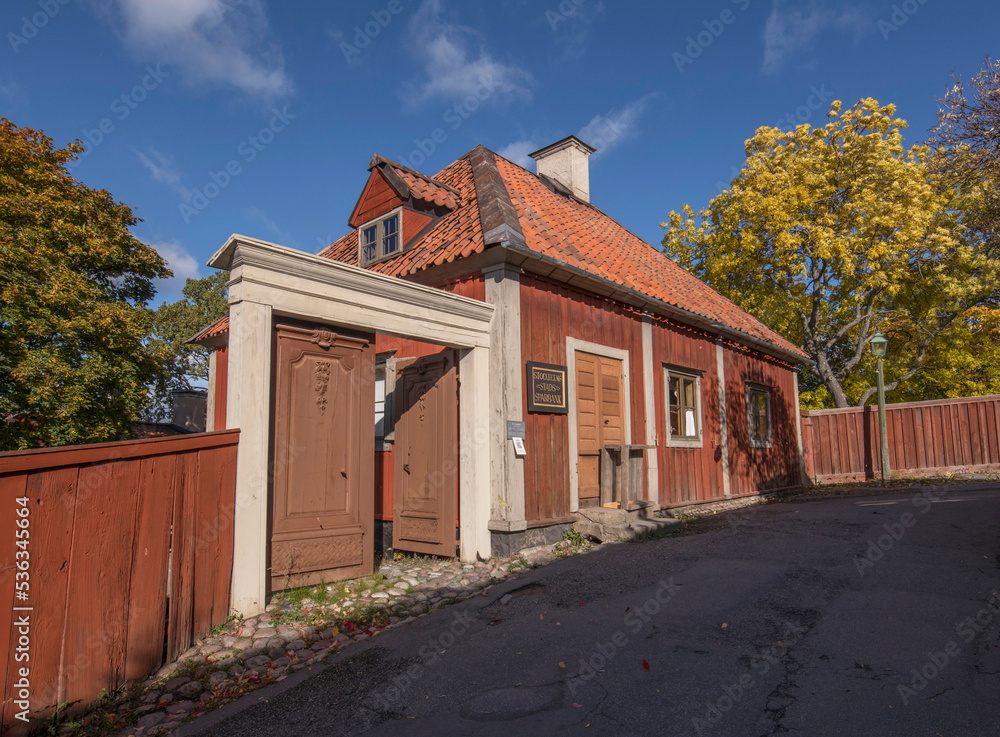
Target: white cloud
[604,132]
[210,41]
[163,171]
[571,23]
[518,153]
[456,62]
[13,95]
[182,263]
[257,216]
[790,30]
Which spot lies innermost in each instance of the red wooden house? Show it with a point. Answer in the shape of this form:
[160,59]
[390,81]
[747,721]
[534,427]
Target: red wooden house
[598,341]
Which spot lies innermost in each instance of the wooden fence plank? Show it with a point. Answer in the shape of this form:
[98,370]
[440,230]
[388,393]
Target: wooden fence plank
[984,440]
[11,488]
[919,450]
[181,606]
[991,420]
[78,455]
[204,536]
[53,496]
[227,513]
[150,559]
[99,573]
[954,416]
[100,534]
[924,437]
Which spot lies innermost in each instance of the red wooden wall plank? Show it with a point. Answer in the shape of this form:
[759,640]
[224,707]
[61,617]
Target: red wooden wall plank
[221,387]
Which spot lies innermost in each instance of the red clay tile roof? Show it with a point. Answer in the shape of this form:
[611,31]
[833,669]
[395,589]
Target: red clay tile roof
[218,327]
[427,189]
[457,235]
[567,230]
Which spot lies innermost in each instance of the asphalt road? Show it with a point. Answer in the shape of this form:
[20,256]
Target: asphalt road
[839,616]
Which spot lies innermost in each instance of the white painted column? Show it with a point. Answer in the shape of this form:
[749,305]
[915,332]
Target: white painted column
[248,408]
[720,372]
[503,291]
[474,454]
[649,391]
[803,479]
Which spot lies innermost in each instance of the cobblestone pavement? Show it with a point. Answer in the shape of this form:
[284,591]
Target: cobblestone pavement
[297,631]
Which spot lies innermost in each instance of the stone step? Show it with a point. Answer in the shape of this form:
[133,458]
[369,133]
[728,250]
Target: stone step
[602,524]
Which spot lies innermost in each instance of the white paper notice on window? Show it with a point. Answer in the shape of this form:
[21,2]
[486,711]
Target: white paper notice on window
[519,447]
[689,426]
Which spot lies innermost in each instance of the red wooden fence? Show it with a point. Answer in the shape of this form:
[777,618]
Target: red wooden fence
[115,557]
[925,439]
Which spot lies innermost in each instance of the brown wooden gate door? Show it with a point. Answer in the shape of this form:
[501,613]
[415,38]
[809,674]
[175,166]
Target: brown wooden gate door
[426,473]
[323,513]
[600,416]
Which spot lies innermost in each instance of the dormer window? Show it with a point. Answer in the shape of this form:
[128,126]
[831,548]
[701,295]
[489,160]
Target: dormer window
[380,239]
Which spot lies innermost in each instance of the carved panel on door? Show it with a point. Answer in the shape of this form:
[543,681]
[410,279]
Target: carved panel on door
[322,460]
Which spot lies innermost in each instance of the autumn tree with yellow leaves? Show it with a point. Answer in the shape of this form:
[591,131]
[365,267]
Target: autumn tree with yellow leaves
[832,233]
[74,288]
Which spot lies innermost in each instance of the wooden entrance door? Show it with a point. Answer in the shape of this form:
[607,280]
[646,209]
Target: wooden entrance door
[600,416]
[425,499]
[322,511]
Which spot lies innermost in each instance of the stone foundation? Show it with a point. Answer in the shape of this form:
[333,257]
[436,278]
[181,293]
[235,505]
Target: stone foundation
[506,543]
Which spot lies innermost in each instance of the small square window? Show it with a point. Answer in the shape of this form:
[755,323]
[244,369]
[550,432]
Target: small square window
[759,416]
[380,239]
[683,409]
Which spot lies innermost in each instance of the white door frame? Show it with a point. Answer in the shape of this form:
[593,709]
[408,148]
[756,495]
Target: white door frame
[572,346]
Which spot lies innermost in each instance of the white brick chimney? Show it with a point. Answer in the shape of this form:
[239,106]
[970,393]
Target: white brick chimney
[566,162]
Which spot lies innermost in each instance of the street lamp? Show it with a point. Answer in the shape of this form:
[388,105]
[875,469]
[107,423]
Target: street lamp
[879,344]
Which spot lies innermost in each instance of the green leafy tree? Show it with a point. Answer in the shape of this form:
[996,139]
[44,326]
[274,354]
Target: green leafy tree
[203,303]
[831,233]
[74,284]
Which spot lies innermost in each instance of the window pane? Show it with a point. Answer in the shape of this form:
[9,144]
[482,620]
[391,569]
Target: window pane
[690,428]
[675,420]
[689,385]
[390,243]
[379,402]
[368,253]
[391,225]
[369,235]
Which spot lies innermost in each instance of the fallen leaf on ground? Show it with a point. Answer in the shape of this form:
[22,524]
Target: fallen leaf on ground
[645,664]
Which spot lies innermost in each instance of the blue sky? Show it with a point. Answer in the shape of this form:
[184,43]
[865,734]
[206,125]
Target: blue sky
[210,117]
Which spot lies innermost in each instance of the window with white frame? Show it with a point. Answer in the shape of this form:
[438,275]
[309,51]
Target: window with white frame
[759,416]
[683,407]
[380,401]
[380,238]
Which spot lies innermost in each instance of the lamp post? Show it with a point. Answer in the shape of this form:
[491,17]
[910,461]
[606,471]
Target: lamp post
[879,344]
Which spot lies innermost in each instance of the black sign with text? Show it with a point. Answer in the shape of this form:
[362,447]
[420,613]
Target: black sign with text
[547,388]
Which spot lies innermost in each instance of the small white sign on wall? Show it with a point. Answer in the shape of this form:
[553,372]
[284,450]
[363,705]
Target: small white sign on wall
[519,447]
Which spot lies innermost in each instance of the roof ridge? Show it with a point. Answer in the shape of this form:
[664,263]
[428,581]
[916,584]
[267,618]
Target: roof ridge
[497,214]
